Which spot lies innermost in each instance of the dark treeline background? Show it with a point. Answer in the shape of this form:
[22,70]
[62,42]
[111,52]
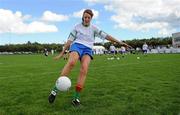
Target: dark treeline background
[39,48]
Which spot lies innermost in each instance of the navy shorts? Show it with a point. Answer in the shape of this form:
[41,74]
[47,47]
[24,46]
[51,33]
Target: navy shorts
[144,51]
[112,52]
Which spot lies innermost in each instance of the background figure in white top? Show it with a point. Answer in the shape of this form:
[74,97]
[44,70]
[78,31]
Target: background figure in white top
[112,49]
[123,51]
[145,48]
[46,52]
[52,52]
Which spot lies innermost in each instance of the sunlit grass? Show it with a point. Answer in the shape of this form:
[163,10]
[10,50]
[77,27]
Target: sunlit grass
[149,85]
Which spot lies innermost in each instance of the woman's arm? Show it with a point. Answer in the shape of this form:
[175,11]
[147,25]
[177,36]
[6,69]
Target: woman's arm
[110,38]
[66,46]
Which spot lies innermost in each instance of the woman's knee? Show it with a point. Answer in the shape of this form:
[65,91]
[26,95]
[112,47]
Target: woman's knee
[72,63]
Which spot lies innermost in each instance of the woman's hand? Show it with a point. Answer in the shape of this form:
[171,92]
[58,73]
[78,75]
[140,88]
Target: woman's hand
[59,56]
[126,45]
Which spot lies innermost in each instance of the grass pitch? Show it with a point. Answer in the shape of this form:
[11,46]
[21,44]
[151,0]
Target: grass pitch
[128,86]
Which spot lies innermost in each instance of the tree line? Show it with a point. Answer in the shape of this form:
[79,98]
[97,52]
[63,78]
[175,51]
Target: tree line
[39,48]
[153,42]
[30,47]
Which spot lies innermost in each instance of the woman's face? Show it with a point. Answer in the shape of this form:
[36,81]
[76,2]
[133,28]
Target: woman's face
[86,19]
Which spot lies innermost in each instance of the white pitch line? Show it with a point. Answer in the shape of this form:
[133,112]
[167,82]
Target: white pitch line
[115,65]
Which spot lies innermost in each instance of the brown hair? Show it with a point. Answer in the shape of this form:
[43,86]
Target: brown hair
[89,12]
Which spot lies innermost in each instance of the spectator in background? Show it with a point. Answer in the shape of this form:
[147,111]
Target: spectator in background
[145,48]
[123,51]
[45,52]
[112,49]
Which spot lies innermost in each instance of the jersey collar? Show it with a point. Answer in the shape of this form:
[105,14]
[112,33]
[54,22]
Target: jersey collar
[85,25]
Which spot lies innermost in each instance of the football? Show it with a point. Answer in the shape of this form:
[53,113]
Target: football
[63,83]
